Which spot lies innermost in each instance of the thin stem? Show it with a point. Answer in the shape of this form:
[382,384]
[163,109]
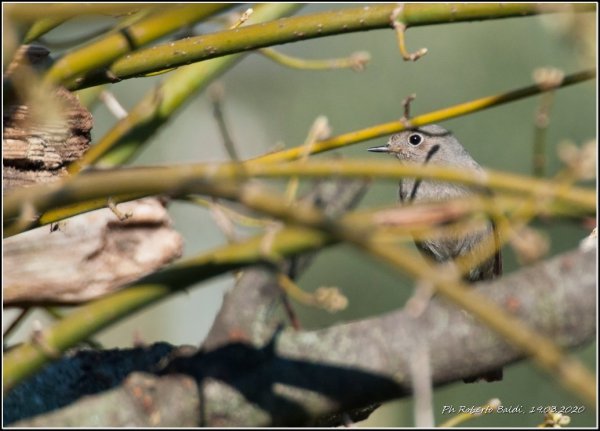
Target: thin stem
[15,323]
[112,104]
[319,130]
[235,216]
[105,50]
[550,78]
[216,97]
[27,358]
[400,29]
[91,190]
[392,127]
[292,290]
[306,27]
[356,61]
[159,105]
[41,27]
[23,12]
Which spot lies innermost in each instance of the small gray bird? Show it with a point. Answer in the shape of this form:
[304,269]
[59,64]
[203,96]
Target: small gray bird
[435,145]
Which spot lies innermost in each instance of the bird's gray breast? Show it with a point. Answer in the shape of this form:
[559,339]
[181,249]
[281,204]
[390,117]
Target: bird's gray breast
[454,245]
[416,190]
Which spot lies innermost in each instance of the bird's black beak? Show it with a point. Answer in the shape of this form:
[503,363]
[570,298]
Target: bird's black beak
[381,149]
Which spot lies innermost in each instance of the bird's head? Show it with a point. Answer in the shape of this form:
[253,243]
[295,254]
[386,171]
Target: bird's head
[425,144]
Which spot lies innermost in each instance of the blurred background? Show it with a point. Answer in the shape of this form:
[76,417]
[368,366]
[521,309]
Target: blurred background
[267,105]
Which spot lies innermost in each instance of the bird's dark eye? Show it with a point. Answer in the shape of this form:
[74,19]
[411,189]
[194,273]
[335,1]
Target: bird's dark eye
[415,139]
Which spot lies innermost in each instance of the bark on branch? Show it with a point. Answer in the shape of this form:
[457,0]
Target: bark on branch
[89,255]
[298,377]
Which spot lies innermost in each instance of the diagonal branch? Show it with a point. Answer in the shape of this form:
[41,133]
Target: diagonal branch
[248,310]
[396,126]
[27,358]
[159,105]
[87,191]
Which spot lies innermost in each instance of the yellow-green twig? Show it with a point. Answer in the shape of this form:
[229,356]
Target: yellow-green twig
[400,28]
[319,130]
[392,127]
[310,26]
[236,216]
[41,27]
[103,51]
[25,12]
[549,78]
[158,106]
[356,61]
[294,291]
[206,178]
[328,298]
[24,359]
[28,357]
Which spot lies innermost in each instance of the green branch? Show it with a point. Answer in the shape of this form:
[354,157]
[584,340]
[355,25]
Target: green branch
[459,110]
[116,44]
[91,190]
[157,108]
[27,358]
[306,27]
[159,105]
[23,12]
[41,27]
